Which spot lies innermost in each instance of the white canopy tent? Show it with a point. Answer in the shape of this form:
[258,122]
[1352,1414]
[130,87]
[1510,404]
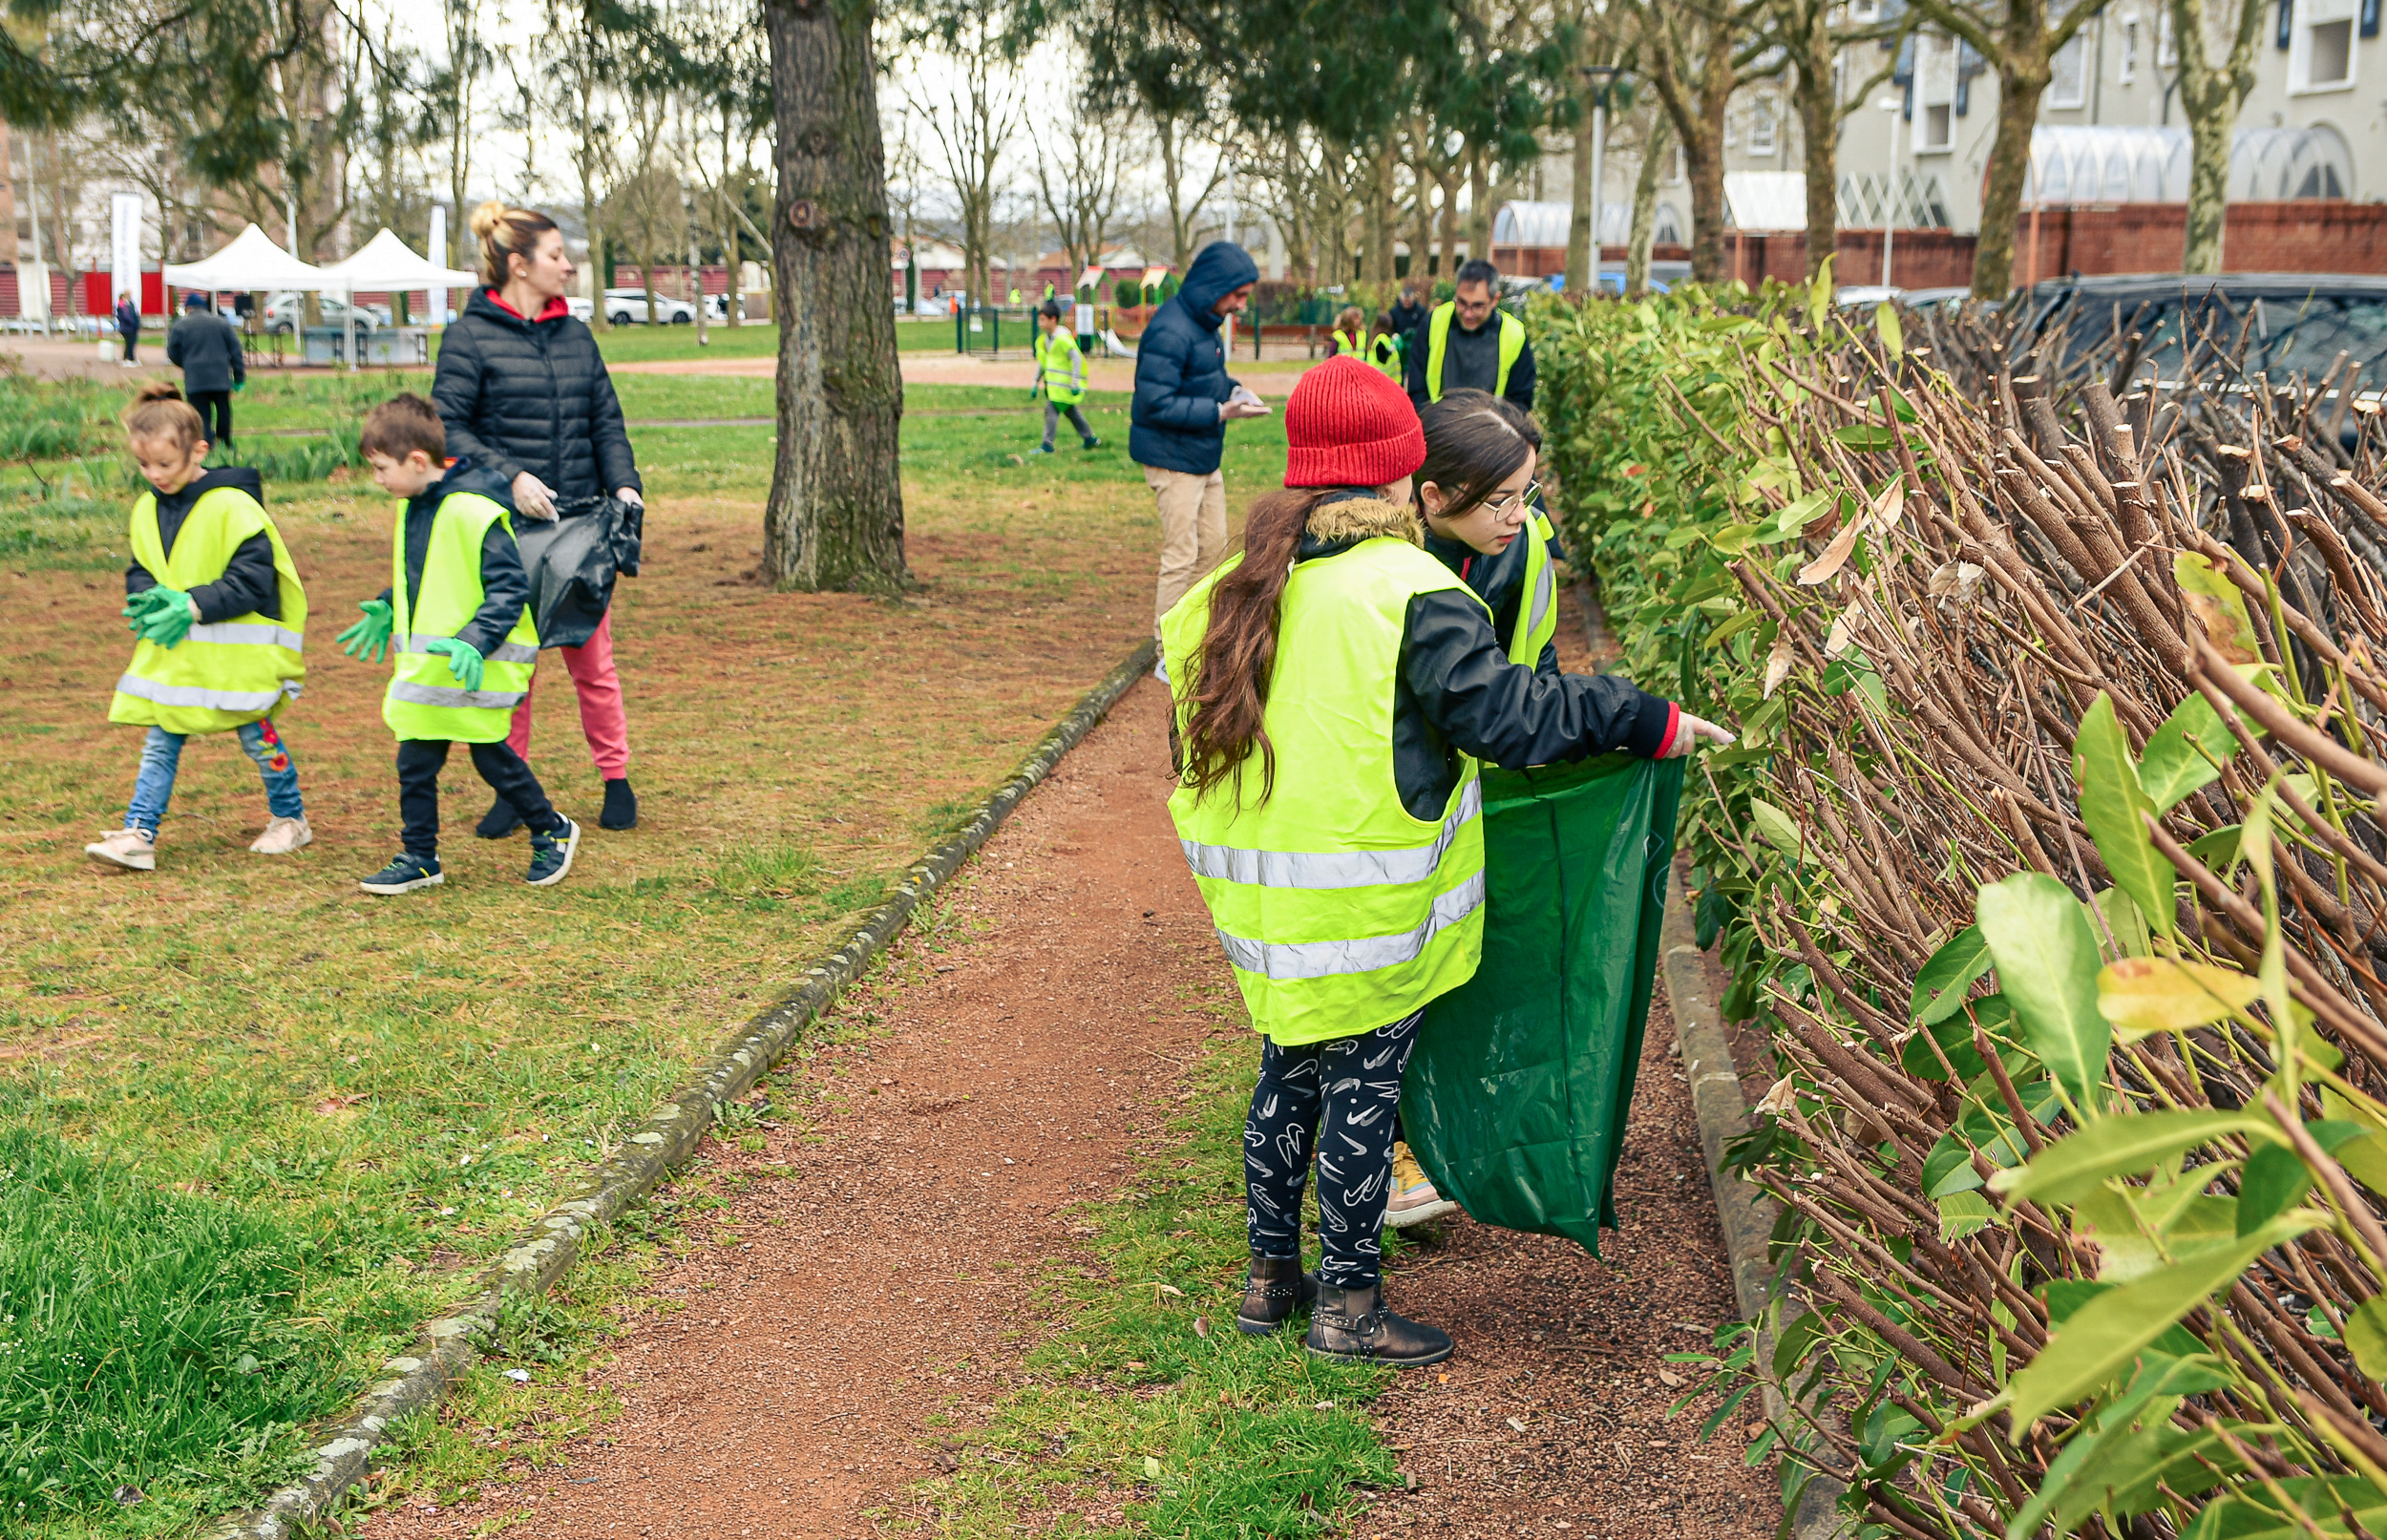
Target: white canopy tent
[251,262]
[388,264]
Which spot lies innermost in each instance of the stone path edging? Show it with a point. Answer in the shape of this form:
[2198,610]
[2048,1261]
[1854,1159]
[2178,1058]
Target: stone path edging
[669,1135]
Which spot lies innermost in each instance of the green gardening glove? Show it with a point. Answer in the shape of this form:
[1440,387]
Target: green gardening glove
[369,635]
[463,660]
[160,615]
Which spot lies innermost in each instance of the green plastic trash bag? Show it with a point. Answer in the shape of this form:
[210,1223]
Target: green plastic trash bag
[1516,1094]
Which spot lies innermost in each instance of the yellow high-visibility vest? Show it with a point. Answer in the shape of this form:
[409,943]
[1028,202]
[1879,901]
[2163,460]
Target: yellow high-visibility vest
[222,675]
[425,699]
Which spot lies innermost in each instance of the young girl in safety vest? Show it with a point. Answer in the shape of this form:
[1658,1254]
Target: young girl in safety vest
[221,619]
[1336,687]
[456,614]
[1350,334]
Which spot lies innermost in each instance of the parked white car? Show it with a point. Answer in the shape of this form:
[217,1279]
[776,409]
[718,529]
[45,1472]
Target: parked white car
[627,306]
[583,308]
[285,310]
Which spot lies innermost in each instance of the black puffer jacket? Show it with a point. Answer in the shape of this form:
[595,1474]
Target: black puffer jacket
[532,395]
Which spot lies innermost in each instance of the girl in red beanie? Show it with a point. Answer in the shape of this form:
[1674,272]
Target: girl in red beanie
[1336,686]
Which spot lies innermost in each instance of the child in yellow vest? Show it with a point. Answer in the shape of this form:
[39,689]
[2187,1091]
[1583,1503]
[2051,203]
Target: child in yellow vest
[221,619]
[458,616]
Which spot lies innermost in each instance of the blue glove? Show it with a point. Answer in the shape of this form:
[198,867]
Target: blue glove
[160,615]
[464,661]
[369,635]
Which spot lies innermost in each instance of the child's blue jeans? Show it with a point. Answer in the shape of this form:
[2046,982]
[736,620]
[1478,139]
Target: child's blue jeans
[161,755]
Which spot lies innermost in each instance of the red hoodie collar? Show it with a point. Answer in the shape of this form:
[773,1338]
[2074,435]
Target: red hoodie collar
[555,306]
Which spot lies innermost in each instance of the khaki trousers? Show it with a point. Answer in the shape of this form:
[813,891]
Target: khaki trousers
[1193,530]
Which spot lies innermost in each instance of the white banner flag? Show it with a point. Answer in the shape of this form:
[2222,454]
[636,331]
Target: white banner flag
[124,248]
[440,259]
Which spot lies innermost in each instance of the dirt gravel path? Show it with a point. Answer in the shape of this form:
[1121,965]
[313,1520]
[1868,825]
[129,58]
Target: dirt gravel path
[779,1379]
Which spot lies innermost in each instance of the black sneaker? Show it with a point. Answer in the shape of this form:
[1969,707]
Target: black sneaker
[1092,443]
[499,821]
[551,854]
[405,874]
[621,810]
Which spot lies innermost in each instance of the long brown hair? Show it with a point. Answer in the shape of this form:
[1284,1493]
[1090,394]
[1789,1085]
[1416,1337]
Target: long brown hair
[1474,441]
[1238,652]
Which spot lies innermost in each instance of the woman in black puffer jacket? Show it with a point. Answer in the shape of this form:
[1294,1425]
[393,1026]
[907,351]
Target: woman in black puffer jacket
[524,393]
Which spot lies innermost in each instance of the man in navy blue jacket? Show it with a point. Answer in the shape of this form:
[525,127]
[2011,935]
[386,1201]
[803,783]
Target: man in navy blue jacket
[1183,403]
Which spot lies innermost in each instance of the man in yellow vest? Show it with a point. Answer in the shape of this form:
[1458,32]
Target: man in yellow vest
[458,616]
[1061,375]
[1468,343]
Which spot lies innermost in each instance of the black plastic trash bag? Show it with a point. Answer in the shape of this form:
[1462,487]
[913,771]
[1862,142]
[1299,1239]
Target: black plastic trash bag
[572,560]
[1516,1094]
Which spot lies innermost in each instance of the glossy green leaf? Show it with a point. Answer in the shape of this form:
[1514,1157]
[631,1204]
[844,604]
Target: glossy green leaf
[2114,1453]
[2218,850]
[2175,763]
[1962,1214]
[2077,1163]
[1866,436]
[2102,1336]
[2217,602]
[2142,995]
[2112,804]
[1940,985]
[2275,1178]
[1885,326]
[2047,964]
[2129,1475]
[2253,1513]
[1776,827]
[2142,1229]
[2366,1336]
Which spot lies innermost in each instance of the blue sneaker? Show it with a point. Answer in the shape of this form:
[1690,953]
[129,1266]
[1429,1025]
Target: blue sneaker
[1043,449]
[551,854]
[405,874]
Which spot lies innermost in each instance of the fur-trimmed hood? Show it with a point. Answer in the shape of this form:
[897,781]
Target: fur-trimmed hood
[1347,519]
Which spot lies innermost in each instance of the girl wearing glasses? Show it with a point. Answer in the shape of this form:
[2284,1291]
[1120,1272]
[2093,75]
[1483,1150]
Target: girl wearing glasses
[1336,688]
[1479,492]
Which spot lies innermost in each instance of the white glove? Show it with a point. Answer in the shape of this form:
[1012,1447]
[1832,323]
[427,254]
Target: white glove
[629,494]
[1688,731]
[532,497]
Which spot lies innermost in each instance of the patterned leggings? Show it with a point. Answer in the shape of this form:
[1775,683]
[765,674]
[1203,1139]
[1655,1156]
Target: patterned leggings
[1354,1083]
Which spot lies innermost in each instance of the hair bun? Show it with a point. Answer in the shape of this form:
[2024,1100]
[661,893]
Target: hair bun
[157,390]
[485,218]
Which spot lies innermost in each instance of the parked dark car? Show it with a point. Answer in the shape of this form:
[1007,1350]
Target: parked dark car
[2294,324]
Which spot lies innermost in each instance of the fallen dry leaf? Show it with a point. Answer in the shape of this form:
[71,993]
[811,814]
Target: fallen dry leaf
[332,1104]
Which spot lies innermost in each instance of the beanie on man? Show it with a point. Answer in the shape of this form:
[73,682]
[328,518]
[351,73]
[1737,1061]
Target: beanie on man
[1349,426]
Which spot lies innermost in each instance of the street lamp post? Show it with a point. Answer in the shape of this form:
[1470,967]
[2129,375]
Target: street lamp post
[1603,77]
[1895,107]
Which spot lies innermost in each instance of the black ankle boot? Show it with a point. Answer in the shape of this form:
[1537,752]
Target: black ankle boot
[621,805]
[1355,1324]
[499,821]
[1278,1288]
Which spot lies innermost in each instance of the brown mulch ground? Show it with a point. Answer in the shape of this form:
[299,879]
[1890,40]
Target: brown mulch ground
[779,1380]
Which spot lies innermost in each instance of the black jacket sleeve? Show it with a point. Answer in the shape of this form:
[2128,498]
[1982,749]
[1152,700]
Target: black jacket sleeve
[455,391]
[1451,664]
[1413,368]
[1546,667]
[249,583]
[137,578]
[504,589]
[1520,392]
[611,440]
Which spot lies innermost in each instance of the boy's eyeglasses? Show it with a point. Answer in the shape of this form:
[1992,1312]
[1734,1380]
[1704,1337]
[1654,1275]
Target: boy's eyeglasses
[1516,502]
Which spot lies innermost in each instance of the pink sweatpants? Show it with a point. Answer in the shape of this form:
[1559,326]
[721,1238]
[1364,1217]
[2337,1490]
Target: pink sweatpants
[600,687]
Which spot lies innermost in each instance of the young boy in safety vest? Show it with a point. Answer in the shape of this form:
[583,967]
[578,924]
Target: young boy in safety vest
[222,621]
[1384,351]
[1061,374]
[457,614]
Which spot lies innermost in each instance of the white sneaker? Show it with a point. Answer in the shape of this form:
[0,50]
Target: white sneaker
[283,836]
[133,847]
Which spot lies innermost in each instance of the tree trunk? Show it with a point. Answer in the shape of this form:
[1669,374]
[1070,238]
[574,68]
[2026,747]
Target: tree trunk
[1704,150]
[1655,145]
[1422,245]
[2009,164]
[2208,187]
[1818,130]
[1479,213]
[835,515]
[1583,220]
[1380,219]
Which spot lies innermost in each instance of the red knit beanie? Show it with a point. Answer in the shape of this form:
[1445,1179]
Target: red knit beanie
[1349,426]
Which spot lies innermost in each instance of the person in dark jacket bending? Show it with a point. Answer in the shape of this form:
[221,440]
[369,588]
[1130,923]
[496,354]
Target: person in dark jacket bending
[1183,400]
[205,347]
[524,393]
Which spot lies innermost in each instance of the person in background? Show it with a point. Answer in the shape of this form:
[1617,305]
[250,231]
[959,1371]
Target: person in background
[205,347]
[1408,316]
[1183,400]
[1061,375]
[1469,344]
[1383,349]
[1350,334]
[129,327]
[218,617]
[524,393]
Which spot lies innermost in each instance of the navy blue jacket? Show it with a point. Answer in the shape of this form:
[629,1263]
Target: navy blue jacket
[1181,368]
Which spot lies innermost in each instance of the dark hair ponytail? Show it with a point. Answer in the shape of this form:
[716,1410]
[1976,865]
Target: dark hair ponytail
[1238,652]
[1474,441]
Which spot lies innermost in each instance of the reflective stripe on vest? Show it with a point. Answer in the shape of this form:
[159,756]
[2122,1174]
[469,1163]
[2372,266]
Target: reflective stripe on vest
[1340,909]
[202,697]
[1438,342]
[1318,869]
[1537,618]
[506,651]
[225,673]
[423,700]
[1295,961]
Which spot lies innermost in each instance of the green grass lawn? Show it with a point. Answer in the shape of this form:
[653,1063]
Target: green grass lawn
[313,1106]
